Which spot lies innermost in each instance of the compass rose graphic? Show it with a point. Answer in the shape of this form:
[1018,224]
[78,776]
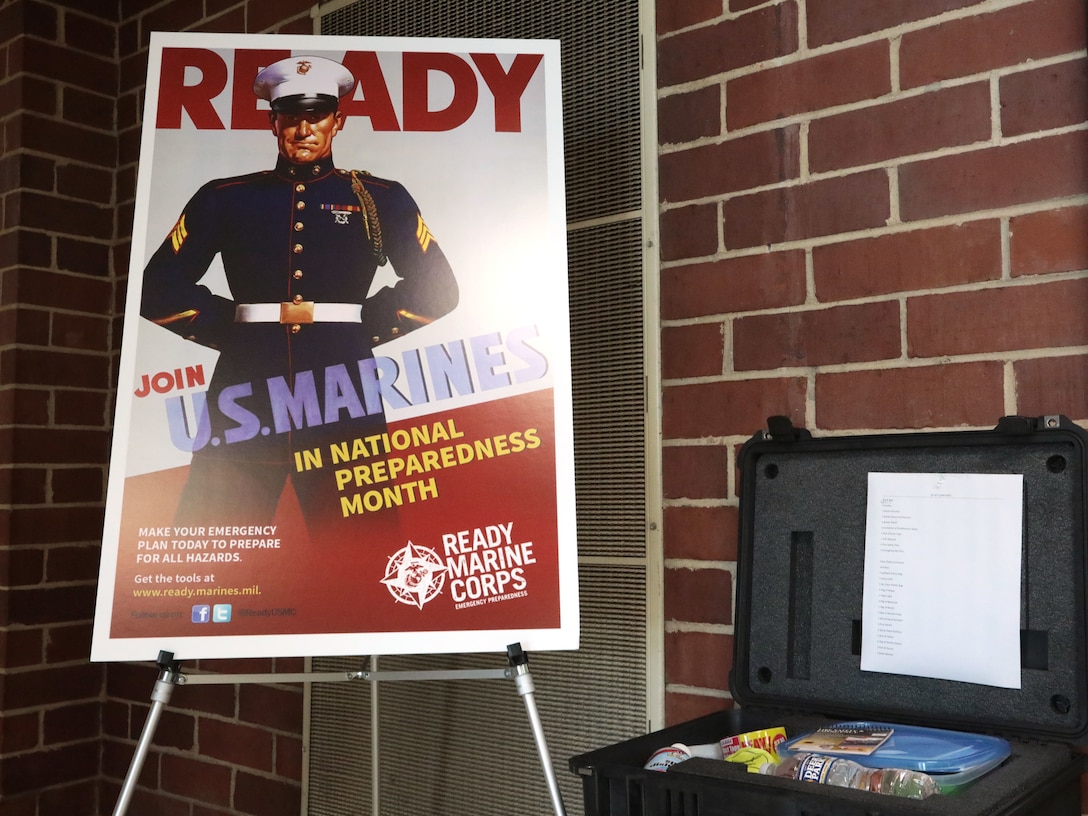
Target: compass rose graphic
[414,575]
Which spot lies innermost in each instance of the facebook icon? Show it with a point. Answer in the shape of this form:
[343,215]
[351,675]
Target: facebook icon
[202,613]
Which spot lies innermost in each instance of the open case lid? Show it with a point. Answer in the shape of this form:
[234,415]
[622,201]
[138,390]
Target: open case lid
[800,577]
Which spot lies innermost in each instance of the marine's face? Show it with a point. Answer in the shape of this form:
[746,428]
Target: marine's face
[306,136]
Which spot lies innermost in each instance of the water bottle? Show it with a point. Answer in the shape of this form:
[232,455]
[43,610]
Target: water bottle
[846,773]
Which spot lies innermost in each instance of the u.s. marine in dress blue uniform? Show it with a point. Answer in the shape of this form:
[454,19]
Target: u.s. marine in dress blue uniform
[300,246]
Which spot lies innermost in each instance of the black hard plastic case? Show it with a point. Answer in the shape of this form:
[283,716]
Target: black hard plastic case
[798,623]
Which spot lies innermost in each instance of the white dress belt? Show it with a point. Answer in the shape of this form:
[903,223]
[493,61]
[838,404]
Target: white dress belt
[304,312]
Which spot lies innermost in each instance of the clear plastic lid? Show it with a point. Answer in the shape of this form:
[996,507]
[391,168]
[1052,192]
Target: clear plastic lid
[932,750]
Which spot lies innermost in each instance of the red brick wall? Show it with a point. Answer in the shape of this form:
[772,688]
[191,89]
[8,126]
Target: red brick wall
[874,215]
[69,139]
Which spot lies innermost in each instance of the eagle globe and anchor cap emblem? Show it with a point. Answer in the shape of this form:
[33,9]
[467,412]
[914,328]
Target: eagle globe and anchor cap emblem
[414,575]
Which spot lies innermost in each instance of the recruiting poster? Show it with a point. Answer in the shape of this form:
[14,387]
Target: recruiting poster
[343,420]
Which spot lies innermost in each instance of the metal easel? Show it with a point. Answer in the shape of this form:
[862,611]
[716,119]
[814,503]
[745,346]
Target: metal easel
[170,675]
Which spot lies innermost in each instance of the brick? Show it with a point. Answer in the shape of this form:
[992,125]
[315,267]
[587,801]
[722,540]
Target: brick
[689,232]
[905,261]
[838,78]
[760,35]
[939,396]
[36,367]
[685,117]
[289,757]
[176,729]
[770,157]
[276,708]
[79,797]
[220,700]
[734,408]
[1049,241]
[927,122]
[116,761]
[55,62]
[993,177]
[33,172]
[26,248]
[845,334]
[20,648]
[674,16]
[67,642]
[87,183]
[32,328]
[54,291]
[267,797]
[128,681]
[177,15]
[831,21]
[25,805]
[268,14]
[299,25]
[680,708]
[699,595]
[78,485]
[25,568]
[763,281]
[75,563]
[182,776]
[65,140]
[984,42]
[85,257]
[829,207]
[237,665]
[63,215]
[695,472]
[1033,316]
[42,605]
[698,659]
[692,351]
[80,332]
[20,732]
[234,20]
[235,744]
[90,34]
[1044,98]
[1052,385]
[69,446]
[52,525]
[71,723]
[156,803]
[27,406]
[38,19]
[133,69]
[26,689]
[27,485]
[88,408]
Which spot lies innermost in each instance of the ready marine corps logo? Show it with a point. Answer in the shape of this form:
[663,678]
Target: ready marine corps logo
[414,575]
[304,66]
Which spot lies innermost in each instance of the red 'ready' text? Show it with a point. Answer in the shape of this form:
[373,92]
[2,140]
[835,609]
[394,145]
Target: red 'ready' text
[479,79]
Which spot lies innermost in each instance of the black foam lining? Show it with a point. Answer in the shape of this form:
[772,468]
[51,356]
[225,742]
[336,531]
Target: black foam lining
[800,582]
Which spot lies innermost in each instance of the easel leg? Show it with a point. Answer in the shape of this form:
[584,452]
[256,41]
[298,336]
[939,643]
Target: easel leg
[527,689]
[160,696]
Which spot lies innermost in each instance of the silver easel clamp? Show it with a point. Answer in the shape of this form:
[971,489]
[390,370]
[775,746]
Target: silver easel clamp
[170,675]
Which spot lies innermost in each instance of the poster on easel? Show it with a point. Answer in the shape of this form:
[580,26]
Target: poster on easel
[343,420]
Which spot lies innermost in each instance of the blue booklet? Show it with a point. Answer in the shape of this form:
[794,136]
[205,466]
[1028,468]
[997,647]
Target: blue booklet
[885,745]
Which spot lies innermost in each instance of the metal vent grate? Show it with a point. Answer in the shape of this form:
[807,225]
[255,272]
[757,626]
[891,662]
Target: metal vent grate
[600,61]
[466,747]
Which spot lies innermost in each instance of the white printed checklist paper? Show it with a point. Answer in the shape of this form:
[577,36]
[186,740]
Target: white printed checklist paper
[942,576]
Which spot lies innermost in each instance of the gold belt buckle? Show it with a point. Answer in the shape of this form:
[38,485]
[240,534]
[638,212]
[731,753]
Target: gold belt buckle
[297,312]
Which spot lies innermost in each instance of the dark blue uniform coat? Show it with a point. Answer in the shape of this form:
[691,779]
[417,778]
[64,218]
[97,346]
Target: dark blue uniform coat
[301,232]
